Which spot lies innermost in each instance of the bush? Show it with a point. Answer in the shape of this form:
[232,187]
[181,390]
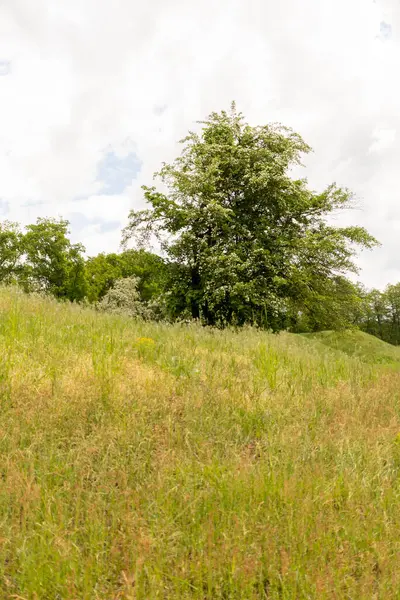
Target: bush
[124,299]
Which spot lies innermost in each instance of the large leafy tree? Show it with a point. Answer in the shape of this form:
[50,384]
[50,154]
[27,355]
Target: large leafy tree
[51,262]
[244,238]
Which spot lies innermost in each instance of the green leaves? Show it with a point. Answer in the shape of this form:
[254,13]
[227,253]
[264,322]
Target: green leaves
[51,263]
[247,240]
[103,270]
[10,251]
[123,298]
[43,259]
[379,313]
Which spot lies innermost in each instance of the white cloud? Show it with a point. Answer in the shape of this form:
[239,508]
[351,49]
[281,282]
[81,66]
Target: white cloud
[94,77]
[383,139]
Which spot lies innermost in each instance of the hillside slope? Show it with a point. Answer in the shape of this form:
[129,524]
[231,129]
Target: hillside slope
[143,460]
[366,347]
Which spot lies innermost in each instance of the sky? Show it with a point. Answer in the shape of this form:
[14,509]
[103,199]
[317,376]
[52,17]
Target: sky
[94,95]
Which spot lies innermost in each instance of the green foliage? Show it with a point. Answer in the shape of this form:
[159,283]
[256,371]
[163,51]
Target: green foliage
[104,269]
[43,259]
[11,251]
[380,313]
[51,263]
[149,268]
[124,299]
[331,303]
[392,297]
[245,241]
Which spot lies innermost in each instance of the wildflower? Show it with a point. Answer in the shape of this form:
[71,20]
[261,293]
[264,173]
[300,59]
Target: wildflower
[145,340]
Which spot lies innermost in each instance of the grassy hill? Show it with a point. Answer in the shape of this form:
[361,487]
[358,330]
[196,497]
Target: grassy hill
[359,344]
[144,461]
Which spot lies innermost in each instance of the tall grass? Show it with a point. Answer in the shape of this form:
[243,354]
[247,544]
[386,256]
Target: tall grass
[145,461]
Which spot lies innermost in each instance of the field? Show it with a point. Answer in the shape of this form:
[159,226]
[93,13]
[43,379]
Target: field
[146,461]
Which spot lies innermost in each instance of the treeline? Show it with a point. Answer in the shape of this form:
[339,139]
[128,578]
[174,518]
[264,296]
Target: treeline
[42,258]
[379,313]
[243,242]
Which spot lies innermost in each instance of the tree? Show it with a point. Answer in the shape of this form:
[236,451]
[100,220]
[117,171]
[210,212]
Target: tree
[382,313]
[244,239]
[104,270]
[75,284]
[332,303]
[11,251]
[52,263]
[392,294]
[377,310]
[150,270]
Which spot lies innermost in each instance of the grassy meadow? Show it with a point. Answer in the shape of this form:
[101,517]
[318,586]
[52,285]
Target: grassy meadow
[144,461]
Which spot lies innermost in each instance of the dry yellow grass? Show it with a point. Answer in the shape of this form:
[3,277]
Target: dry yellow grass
[142,461]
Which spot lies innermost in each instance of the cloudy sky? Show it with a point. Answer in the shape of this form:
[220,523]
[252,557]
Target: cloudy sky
[94,95]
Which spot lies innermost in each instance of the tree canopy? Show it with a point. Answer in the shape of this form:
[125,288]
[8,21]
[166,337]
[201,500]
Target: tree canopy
[51,262]
[11,251]
[104,270]
[245,241]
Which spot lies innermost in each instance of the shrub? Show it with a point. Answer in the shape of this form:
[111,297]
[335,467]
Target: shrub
[124,299]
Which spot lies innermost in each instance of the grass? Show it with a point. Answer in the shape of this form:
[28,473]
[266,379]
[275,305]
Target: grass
[357,343]
[146,461]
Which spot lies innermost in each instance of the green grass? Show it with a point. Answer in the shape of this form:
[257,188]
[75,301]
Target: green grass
[357,343]
[146,461]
